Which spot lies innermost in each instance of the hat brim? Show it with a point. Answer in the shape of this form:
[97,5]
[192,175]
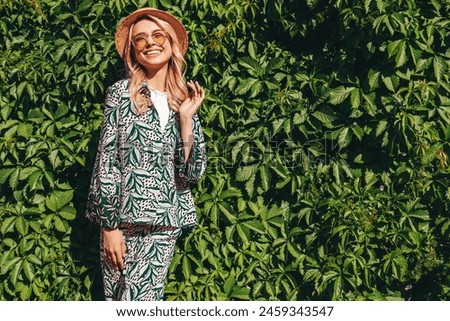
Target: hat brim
[125,24]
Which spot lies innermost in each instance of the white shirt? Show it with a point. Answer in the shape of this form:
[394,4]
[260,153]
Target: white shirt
[159,100]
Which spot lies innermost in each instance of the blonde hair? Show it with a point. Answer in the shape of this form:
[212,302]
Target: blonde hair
[175,86]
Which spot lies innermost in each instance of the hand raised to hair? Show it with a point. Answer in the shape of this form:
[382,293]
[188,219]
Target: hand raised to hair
[195,98]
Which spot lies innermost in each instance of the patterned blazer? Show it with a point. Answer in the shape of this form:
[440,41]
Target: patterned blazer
[140,175]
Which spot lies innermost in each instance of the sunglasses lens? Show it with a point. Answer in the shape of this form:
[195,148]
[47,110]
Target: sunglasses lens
[159,38]
[140,42]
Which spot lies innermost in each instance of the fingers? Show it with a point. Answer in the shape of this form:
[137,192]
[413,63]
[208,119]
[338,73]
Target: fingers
[114,248]
[116,259]
[124,249]
[197,91]
[121,262]
[191,86]
[200,91]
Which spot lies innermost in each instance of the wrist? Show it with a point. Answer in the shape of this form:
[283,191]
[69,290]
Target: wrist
[185,119]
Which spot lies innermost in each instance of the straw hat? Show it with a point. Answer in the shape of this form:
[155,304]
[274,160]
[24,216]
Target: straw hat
[123,29]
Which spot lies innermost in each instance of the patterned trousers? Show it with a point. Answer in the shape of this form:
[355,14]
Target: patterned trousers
[148,256]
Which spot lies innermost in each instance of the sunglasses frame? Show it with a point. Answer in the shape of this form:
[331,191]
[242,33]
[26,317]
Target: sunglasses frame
[148,35]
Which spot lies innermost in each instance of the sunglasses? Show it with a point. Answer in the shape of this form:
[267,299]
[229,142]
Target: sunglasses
[140,41]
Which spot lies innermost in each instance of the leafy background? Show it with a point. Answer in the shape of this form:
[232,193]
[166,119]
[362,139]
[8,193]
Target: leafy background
[328,138]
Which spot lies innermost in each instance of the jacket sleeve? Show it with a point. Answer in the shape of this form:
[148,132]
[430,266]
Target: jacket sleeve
[193,169]
[104,192]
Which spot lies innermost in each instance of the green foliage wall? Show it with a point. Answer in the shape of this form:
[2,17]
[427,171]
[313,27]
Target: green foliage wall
[328,128]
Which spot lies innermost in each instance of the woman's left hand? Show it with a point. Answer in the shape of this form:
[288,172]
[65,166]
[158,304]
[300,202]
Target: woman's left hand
[195,98]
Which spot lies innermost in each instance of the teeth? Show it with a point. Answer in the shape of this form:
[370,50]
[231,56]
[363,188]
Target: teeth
[153,52]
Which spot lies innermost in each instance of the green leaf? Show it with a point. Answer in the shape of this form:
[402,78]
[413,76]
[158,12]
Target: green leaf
[252,49]
[250,186]
[245,173]
[61,111]
[60,225]
[355,98]
[231,192]
[5,111]
[338,95]
[9,242]
[4,174]
[8,265]
[25,130]
[277,124]
[381,127]
[326,117]
[240,292]
[391,82]
[245,85]
[370,178]
[58,199]
[15,272]
[401,57]
[21,225]
[265,177]
[14,178]
[229,284]
[68,212]
[256,226]
[439,67]
[274,64]
[373,77]
[186,267]
[76,47]
[28,270]
[34,259]
[251,64]
[85,4]
[444,112]
[20,88]
[25,293]
[54,158]
[243,233]
[26,172]
[397,48]
[358,131]
[344,138]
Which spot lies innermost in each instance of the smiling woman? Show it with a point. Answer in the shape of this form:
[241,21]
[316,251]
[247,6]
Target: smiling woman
[153,55]
[151,148]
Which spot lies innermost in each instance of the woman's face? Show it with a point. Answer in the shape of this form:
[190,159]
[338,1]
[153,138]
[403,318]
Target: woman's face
[151,55]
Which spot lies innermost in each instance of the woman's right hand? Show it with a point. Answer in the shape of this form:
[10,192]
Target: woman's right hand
[114,247]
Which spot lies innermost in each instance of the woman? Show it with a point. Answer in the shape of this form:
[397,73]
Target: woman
[151,148]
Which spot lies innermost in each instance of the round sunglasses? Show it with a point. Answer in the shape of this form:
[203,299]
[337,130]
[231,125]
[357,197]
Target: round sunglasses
[141,40]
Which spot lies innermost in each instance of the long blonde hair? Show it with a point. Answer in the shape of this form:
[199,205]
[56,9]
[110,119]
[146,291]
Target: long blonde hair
[175,86]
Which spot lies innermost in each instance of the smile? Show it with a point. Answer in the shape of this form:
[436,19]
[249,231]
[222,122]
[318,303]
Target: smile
[152,52]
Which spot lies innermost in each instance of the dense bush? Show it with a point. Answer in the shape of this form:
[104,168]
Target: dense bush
[328,128]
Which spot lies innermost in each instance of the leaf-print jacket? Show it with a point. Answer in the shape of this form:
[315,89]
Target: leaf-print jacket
[140,175]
